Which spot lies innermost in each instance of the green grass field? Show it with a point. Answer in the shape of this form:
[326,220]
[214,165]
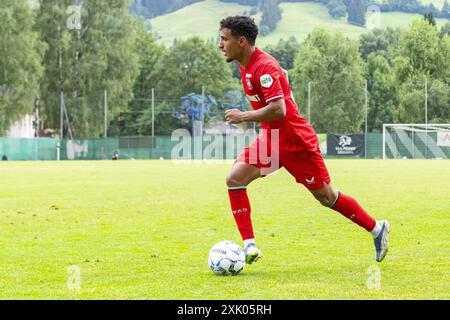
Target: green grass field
[143,229]
[298,20]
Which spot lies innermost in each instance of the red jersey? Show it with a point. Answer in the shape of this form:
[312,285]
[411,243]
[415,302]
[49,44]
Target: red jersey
[264,82]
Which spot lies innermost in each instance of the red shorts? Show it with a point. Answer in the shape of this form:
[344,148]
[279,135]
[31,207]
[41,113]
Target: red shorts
[307,167]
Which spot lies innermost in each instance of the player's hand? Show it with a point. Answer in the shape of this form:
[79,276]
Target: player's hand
[233,116]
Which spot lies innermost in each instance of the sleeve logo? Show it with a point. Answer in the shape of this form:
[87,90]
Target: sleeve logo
[249,84]
[266,80]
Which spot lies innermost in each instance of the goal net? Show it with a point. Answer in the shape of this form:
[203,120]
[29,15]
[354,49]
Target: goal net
[416,141]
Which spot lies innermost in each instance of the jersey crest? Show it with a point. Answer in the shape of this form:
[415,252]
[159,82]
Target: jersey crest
[249,84]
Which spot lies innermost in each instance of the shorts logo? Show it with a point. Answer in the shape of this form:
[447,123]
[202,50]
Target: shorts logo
[266,80]
[310,181]
[249,84]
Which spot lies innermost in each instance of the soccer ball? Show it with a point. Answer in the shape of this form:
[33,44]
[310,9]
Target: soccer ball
[226,257]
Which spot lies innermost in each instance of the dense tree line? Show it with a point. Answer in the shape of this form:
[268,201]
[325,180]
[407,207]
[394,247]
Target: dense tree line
[90,49]
[21,54]
[153,8]
[413,6]
[271,15]
[333,66]
[85,50]
[357,12]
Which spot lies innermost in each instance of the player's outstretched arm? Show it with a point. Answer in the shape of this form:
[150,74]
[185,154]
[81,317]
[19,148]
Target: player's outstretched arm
[273,111]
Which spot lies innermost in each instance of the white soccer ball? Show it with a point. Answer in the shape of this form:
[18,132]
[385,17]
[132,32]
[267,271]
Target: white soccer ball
[226,257]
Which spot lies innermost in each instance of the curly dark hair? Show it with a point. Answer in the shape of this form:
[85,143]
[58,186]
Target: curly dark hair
[241,26]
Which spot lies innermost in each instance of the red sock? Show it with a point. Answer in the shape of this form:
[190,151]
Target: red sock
[240,205]
[348,207]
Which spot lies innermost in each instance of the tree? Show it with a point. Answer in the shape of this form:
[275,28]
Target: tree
[185,68]
[429,17]
[418,52]
[412,6]
[445,13]
[91,48]
[382,93]
[439,102]
[411,101]
[271,14]
[421,54]
[284,52]
[332,64]
[357,12]
[20,62]
[445,30]
[379,41]
[153,8]
[336,8]
[136,119]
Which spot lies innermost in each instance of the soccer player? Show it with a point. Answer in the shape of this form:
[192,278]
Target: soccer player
[296,144]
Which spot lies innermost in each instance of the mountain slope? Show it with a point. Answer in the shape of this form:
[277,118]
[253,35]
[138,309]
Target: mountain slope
[298,19]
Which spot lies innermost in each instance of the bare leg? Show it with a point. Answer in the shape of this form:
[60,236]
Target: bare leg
[242,174]
[345,205]
[327,196]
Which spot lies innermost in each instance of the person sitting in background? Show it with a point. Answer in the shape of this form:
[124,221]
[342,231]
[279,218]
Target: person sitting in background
[116,155]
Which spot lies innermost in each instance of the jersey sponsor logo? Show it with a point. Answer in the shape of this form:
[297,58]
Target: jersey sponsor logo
[249,84]
[254,98]
[266,80]
[310,181]
[248,75]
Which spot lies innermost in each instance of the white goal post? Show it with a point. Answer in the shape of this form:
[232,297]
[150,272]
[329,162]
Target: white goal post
[416,141]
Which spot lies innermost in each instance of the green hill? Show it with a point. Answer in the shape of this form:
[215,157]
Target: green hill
[298,19]
[201,19]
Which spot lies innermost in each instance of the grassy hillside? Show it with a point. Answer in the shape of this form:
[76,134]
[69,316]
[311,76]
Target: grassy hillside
[299,19]
[201,19]
[401,20]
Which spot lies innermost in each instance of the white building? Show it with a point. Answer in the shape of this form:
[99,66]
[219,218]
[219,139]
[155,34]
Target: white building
[22,128]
